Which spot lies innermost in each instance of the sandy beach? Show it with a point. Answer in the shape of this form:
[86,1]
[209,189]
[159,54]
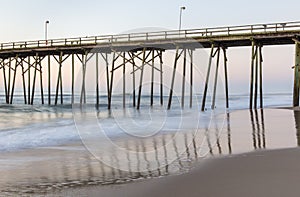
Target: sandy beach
[246,153]
[261,173]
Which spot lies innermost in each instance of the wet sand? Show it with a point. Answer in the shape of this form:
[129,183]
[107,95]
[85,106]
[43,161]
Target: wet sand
[261,173]
[218,161]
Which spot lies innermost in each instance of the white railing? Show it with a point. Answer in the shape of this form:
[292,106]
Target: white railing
[159,35]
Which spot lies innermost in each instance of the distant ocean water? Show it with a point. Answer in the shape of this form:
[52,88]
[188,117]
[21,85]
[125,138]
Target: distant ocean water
[24,126]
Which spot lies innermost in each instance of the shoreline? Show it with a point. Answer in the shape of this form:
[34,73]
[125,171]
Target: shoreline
[259,173]
[70,170]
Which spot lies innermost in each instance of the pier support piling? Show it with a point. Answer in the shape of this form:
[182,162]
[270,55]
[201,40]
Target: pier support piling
[97,80]
[256,76]
[226,76]
[29,80]
[24,83]
[152,78]
[73,79]
[177,55]
[41,83]
[133,80]
[34,77]
[191,78]
[111,81]
[183,77]
[213,106]
[261,76]
[58,77]
[161,79]
[105,58]
[216,51]
[83,92]
[9,80]
[141,78]
[5,83]
[296,75]
[207,77]
[14,80]
[253,57]
[124,80]
[49,80]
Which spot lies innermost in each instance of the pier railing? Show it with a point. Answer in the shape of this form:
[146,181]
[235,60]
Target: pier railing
[159,35]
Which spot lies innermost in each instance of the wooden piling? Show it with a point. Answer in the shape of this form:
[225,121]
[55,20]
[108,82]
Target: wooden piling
[34,77]
[261,76]
[296,75]
[82,95]
[9,81]
[173,78]
[111,81]
[24,83]
[59,79]
[207,77]
[4,80]
[57,86]
[73,79]
[226,77]
[141,79]
[14,80]
[124,80]
[107,75]
[49,80]
[213,105]
[41,83]
[252,74]
[29,81]
[256,77]
[133,81]
[191,78]
[161,79]
[152,79]
[97,80]
[183,79]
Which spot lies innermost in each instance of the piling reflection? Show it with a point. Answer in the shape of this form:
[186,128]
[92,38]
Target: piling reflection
[297,125]
[228,133]
[72,166]
[257,122]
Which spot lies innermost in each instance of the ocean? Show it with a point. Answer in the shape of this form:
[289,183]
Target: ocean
[25,126]
[47,148]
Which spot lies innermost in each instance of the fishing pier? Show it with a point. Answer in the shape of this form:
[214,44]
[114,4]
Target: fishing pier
[137,50]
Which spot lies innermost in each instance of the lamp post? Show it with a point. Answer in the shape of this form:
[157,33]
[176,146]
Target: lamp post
[46,31]
[180,17]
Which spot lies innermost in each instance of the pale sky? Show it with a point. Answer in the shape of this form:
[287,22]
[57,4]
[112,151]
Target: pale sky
[22,20]
[25,19]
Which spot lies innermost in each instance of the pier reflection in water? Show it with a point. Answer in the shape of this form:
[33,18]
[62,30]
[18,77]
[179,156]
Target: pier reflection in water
[297,124]
[47,169]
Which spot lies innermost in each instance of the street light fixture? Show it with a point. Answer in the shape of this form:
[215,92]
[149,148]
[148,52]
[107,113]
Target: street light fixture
[46,31]
[180,18]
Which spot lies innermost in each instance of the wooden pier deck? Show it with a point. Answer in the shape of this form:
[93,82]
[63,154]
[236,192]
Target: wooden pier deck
[149,47]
